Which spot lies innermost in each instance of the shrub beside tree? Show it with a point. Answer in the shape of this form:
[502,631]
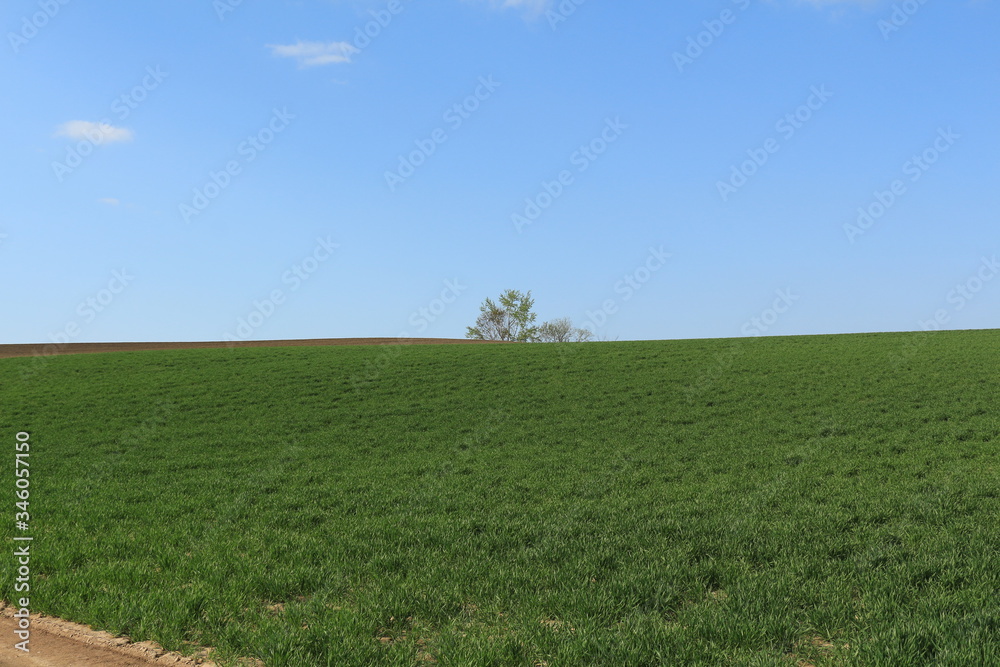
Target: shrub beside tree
[561,330]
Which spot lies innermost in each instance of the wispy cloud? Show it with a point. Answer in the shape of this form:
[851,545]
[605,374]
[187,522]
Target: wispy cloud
[97,133]
[311,54]
[532,7]
[527,4]
[110,201]
[841,3]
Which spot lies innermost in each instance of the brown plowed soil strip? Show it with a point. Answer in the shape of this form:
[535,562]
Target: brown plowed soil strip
[42,349]
[57,643]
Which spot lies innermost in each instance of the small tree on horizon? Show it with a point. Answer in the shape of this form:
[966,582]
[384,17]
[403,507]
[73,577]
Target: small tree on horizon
[561,330]
[509,320]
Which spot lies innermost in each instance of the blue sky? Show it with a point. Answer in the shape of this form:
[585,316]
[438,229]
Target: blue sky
[199,170]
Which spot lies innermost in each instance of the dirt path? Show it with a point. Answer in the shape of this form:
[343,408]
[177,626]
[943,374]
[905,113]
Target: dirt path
[58,643]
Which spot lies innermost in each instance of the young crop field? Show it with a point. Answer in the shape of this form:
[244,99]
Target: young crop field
[827,500]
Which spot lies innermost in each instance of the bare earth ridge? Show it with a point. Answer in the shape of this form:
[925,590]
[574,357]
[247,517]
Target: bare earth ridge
[58,643]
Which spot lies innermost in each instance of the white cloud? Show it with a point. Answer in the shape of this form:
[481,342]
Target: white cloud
[537,5]
[110,201]
[97,133]
[862,3]
[310,54]
[533,7]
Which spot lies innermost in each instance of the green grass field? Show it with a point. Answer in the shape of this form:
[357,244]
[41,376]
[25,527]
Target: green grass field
[828,500]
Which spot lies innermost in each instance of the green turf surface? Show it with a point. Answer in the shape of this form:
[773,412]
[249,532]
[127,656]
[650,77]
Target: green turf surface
[830,500]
